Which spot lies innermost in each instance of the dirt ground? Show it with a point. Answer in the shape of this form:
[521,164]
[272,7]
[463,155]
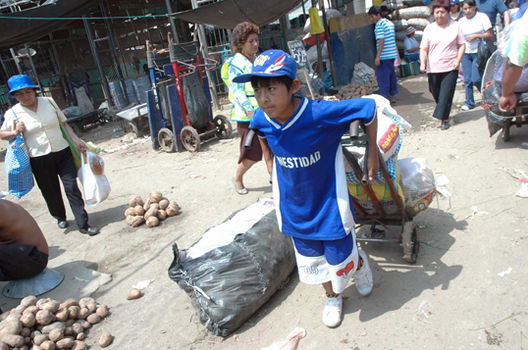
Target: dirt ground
[467,290]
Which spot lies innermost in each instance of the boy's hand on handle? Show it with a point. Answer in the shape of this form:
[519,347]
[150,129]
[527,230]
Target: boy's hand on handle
[373,165]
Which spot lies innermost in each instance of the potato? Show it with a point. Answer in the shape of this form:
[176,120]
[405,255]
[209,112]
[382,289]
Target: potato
[13,340]
[155,196]
[146,205]
[56,335]
[130,211]
[91,307]
[164,203]
[44,317]
[105,339]
[55,325]
[152,221]
[162,214]
[62,315]
[135,220]
[85,324]
[12,326]
[134,294]
[83,313]
[150,212]
[138,210]
[65,343]
[81,336]
[73,312]
[83,302]
[28,319]
[132,202]
[31,309]
[68,331]
[155,206]
[39,339]
[48,345]
[68,303]
[25,332]
[93,318]
[29,301]
[170,211]
[52,306]
[79,345]
[69,323]
[139,201]
[102,311]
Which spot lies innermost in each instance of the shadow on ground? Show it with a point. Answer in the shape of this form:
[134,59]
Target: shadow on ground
[397,282]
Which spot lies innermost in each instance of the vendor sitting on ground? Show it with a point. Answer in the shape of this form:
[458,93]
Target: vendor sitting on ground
[23,248]
[411,46]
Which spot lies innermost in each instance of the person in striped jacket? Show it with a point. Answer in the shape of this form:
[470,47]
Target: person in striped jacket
[386,53]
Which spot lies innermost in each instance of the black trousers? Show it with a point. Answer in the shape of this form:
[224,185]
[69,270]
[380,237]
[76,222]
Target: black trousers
[442,87]
[21,262]
[47,170]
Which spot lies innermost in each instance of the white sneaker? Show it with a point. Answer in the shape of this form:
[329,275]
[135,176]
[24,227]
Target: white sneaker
[363,277]
[465,108]
[332,311]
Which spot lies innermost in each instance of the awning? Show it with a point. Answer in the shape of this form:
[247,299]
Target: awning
[18,31]
[229,13]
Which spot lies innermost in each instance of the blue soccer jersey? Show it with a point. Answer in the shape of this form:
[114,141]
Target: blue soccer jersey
[309,183]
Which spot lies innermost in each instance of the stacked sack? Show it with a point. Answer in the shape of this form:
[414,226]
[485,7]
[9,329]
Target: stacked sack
[410,13]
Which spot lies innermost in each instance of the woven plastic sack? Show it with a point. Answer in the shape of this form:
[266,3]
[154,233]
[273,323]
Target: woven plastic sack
[18,168]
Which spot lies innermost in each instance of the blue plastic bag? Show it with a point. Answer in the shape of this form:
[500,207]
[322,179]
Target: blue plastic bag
[17,168]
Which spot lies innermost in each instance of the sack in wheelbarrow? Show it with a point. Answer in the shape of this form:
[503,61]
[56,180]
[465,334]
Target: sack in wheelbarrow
[235,267]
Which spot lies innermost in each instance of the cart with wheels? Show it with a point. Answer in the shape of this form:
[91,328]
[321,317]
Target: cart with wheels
[491,92]
[135,119]
[80,123]
[382,203]
[184,98]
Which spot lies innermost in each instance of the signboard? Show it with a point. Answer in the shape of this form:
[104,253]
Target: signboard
[298,52]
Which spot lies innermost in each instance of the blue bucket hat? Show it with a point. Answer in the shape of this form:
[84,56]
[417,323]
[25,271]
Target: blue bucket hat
[270,64]
[19,82]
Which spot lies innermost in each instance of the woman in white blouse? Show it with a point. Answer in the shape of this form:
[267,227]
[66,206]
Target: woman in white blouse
[475,26]
[50,156]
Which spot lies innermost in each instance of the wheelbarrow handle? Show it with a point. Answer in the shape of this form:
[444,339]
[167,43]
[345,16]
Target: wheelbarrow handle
[249,139]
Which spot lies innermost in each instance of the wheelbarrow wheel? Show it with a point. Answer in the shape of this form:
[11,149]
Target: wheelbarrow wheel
[409,242]
[166,140]
[190,139]
[223,127]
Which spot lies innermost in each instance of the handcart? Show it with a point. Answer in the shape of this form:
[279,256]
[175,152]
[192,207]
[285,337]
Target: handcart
[491,93]
[371,212]
[137,118]
[80,123]
[184,108]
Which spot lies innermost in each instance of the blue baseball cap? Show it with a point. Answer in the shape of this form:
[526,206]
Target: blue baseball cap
[19,82]
[270,64]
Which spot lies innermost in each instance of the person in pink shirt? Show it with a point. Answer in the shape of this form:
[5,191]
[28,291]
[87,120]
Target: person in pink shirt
[441,52]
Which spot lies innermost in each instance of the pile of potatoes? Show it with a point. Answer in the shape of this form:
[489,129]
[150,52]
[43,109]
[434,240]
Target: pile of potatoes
[46,324]
[155,209]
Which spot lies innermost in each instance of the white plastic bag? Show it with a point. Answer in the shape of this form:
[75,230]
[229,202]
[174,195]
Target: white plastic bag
[418,183]
[96,188]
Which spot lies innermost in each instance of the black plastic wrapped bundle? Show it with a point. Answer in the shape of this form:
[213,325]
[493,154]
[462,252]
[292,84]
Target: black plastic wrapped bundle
[230,283]
[491,93]
[198,106]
